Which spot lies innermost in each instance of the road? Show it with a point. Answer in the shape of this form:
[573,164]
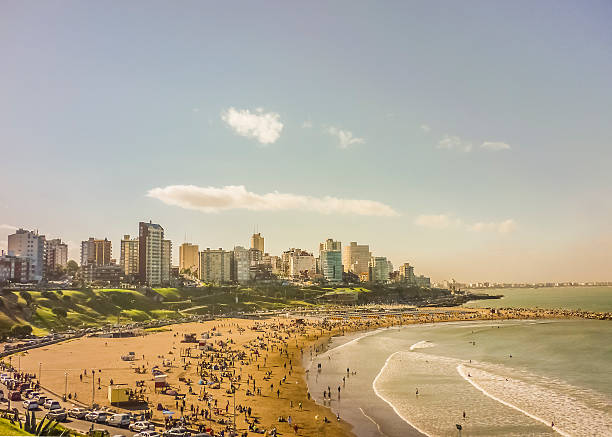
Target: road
[83,426]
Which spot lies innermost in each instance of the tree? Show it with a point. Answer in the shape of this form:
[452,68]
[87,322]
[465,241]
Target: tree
[26,296]
[72,267]
[21,331]
[59,312]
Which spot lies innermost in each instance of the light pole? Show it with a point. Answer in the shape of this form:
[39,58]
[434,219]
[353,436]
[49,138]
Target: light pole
[65,385]
[93,387]
[39,373]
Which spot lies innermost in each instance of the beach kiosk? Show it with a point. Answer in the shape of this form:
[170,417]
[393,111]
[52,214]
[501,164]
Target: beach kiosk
[118,393]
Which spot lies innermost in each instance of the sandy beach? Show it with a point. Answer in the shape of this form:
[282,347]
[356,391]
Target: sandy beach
[265,359]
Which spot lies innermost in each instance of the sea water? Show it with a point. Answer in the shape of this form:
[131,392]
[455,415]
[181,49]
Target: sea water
[511,378]
[573,298]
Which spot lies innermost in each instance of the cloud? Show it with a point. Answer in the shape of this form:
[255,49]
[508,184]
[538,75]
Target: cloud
[212,199]
[451,142]
[437,221]
[444,221]
[9,227]
[426,127]
[195,109]
[495,145]
[265,127]
[307,124]
[503,227]
[345,137]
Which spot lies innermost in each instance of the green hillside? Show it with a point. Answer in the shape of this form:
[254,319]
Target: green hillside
[62,309]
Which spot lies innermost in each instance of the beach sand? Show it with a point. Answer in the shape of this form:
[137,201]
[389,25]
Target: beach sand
[63,364]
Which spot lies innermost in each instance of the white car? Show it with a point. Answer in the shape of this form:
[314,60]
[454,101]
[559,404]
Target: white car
[120,420]
[141,426]
[147,434]
[30,405]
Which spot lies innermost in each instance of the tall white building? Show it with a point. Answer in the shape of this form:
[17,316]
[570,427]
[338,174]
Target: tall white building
[298,263]
[29,244]
[216,266]
[356,258]
[151,263]
[241,265]
[379,269]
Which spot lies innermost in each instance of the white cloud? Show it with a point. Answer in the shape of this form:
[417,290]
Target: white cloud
[195,109]
[265,127]
[495,145]
[9,227]
[212,199]
[345,137]
[451,142]
[503,227]
[437,221]
[426,127]
[307,124]
[444,221]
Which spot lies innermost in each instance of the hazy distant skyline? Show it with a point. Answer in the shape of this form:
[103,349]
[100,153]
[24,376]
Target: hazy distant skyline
[472,140]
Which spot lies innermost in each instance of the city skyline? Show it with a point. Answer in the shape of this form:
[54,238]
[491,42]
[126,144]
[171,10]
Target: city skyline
[469,149]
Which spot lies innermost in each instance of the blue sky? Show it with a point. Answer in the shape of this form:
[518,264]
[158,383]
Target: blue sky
[103,102]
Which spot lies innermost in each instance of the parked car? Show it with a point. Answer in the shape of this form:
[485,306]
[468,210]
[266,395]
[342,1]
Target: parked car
[77,413]
[176,432]
[41,399]
[120,420]
[48,402]
[30,405]
[141,426]
[14,396]
[58,414]
[54,405]
[147,433]
[97,416]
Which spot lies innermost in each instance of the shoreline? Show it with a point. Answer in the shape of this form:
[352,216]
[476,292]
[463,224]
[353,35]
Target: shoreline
[280,341]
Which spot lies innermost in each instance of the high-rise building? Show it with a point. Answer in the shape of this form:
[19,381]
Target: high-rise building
[29,244]
[129,260]
[189,259]
[298,263]
[241,264]
[331,260]
[150,237]
[275,263]
[257,242]
[166,261]
[379,269]
[423,281]
[14,269]
[215,266]
[356,258]
[330,244]
[406,272]
[56,254]
[95,251]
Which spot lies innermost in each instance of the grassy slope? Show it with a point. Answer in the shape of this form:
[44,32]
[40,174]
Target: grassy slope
[7,429]
[96,307]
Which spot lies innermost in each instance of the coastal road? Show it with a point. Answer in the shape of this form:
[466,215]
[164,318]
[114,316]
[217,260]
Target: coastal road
[82,426]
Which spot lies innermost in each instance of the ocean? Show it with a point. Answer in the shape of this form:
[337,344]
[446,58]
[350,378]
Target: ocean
[574,298]
[510,378]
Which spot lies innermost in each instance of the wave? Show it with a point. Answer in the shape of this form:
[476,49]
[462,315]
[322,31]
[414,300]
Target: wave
[395,409]
[422,345]
[575,411]
[461,371]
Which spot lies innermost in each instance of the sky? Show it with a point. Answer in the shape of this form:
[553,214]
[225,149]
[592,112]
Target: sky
[471,139]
